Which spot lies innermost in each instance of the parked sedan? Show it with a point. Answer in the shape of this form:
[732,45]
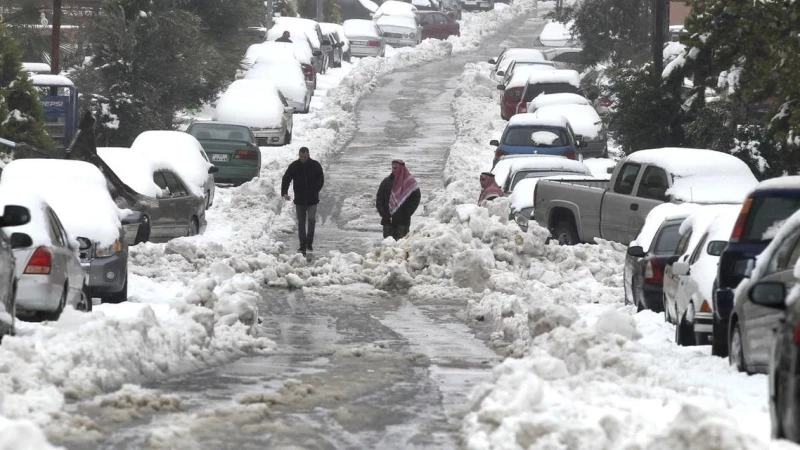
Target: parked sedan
[751,338]
[231,147]
[259,105]
[282,51]
[288,77]
[339,31]
[588,126]
[13,216]
[49,274]
[437,25]
[527,134]
[400,31]
[365,37]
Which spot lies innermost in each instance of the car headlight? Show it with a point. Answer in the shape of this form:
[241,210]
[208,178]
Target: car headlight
[111,250]
[406,35]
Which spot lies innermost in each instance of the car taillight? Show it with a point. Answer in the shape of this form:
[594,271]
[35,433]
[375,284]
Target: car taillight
[373,43]
[513,94]
[522,107]
[245,154]
[605,102]
[499,153]
[308,71]
[572,154]
[738,229]
[653,274]
[705,307]
[40,262]
[796,335]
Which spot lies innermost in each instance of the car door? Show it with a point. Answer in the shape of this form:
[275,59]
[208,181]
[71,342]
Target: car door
[618,205]
[687,285]
[651,192]
[428,26]
[671,280]
[66,255]
[163,219]
[759,322]
[181,203]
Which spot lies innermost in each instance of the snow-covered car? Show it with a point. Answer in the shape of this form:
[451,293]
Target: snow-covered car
[78,192]
[182,153]
[519,64]
[259,105]
[177,211]
[394,8]
[231,147]
[483,5]
[282,51]
[688,295]
[513,89]
[301,40]
[752,323]
[522,199]
[652,250]
[13,216]
[365,37]
[339,30]
[526,134]
[508,55]
[557,34]
[299,27]
[48,271]
[288,76]
[437,25]
[511,169]
[549,82]
[588,126]
[400,31]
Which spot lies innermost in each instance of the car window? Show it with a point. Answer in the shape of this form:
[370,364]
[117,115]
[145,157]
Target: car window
[786,255]
[534,90]
[698,250]
[683,243]
[766,215]
[626,178]
[56,234]
[426,19]
[667,241]
[654,184]
[283,99]
[174,184]
[158,179]
[522,136]
[440,18]
[60,226]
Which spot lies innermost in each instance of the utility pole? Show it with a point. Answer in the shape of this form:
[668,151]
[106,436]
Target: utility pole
[270,13]
[660,24]
[55,49]
[319,10]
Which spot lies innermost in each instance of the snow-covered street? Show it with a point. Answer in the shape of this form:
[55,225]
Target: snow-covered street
[469,333]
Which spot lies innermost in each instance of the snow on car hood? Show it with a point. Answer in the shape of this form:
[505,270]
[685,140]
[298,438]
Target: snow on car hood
[254,103]
[76,190]
[286,75]
[133,168]
[177,151]
[359,28]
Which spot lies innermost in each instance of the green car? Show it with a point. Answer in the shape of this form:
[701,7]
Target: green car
[231,147]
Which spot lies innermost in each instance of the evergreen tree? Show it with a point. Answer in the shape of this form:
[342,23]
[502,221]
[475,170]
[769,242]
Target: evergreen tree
[21,114]
[331,11]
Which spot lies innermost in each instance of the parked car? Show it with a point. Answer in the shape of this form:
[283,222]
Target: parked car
[556,34]
[78,192]
[529,134]
[176,209]
[513,89]
[282,51]
[508,55]
[48,272]
[766,207]
[589,128]
[482,5]
[231,147]
[13,216]
[259,105]
[615,210]
[521,63]
[365,38]
[332,44]
[288,77]
[400,31]
[511,169]
[691,304]
[184,154]
[752,325]
[394,8]
[653,249]
[549,82]
[340,35]
[437,25]
[299,28]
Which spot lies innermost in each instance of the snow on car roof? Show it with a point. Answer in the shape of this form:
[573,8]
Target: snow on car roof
[298,24]
[277,50]
[522,197]
[571,77]
[583,118]
[37,227]
[657,216]
[520,52]
[76,190]
[556,34]
[533,119]
[521,74]
[332,28]
[133,168]
[286,75]
[699,221]
[46,79]
[785,182]
[369,4]
[177,151]
[395,8]
[359,28]
[36,67]
[254,103]
[558,99]
[507,166]
[397,21]
[301,43]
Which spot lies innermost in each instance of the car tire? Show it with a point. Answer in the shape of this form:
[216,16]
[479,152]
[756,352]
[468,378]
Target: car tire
[736,349]
[564,232]
[54,315]
[143,233]
[118,297]
[667,316]
[684,331]
[288,138]
[719,341]
[194,227]
[85,304]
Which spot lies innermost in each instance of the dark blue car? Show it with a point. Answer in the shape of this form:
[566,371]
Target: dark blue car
[764,210]
[527,134]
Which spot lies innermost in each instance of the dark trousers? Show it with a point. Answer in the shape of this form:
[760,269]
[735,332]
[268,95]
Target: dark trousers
[306,213]
[396,231]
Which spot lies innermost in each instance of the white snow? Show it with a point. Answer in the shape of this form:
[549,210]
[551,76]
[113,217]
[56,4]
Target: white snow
[133,168]
[355,28]
[37,228]
[278,50]
[370,5]
[557,99]
[76,191]
[298,25]
[531,119]
[583,118]
[570,77]
[657,216]
[396,21]
[512,54]
[784,182]
[176,151]
[328,28]
[252,102]
[42,79]
[543,138]
[512,163]
[556,34]
[286,75]
[395,8]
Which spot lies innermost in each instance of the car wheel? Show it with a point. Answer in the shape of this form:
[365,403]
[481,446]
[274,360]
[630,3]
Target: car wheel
[719,341]
[85,303]
[288,138]
[777,404]
[194,227]
[684,331]
[736,349]
[118,297]
[143,233]
[565,233]
[54,315]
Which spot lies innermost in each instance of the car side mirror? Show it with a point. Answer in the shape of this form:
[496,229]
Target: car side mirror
[132,218]
[20,240]
[715,248]
[494,142]
[14,216]
[501,87]
[213,169]
[771,294]
[493,61]
[84,243]
[500,73]
[636,251]
[680,268]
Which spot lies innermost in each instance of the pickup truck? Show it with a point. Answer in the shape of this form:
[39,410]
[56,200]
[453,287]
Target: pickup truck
[578,211]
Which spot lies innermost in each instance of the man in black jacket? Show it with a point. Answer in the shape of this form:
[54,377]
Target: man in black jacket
[284,38]
[308,179]
[397,200]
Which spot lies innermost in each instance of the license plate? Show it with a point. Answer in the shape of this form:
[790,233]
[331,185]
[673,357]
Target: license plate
[393,41]
[219,157]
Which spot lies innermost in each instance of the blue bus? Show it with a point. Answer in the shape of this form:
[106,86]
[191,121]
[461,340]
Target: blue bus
[59,99]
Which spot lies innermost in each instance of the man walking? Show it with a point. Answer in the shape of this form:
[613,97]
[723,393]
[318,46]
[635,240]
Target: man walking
[308,179]
[397,200]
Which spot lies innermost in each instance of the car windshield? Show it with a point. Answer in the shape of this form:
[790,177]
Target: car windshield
[523,136]
[533,90]
[538,173]
[667,242]
[766,216]
[221,132]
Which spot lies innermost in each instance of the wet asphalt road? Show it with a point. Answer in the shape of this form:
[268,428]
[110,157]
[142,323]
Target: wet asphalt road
[353,368]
